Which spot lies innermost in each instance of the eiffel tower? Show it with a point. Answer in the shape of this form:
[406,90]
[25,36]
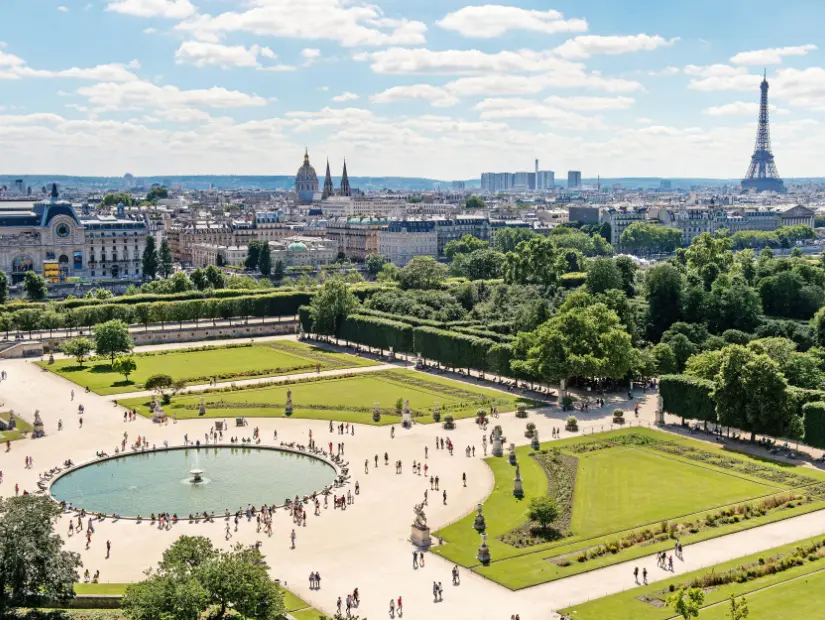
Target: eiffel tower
[762,175]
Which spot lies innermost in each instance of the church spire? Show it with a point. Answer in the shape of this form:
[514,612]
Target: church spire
[344,190]
[306,156]
[329,190]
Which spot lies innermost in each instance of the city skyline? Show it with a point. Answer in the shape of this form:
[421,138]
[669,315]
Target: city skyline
[441,90]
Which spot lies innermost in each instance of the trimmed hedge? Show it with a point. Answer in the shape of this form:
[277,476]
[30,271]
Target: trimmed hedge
[814,424]
[798,397]
[688,397]
[452,349]
[573,279]
[378,333]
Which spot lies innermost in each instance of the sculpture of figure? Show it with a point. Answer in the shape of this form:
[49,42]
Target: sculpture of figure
[420,517]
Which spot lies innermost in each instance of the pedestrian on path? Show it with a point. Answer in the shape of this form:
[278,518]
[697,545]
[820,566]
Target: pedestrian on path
[636,574]
[415,559]
[292,538]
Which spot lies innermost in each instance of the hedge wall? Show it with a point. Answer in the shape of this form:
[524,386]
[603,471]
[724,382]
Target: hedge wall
[688,397]
[799,397]
[378,333]
[573,279]
[814,424]
[452,349]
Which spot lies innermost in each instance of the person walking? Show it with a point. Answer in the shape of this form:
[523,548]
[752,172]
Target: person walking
[415,559]
[444,495]
[108,549]
[292,538]
[636,574]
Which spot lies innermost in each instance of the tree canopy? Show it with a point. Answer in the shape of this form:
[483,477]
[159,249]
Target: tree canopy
[111,338]
[422,272]
[331,305]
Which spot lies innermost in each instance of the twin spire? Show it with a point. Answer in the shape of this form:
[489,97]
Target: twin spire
[329,189]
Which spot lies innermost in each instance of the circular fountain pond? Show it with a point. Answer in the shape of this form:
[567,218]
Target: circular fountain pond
[192,480]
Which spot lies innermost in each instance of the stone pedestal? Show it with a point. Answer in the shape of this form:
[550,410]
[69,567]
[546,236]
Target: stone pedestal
[288,405]
[660,411]
[534,443]
[406,415]
[202,408]
[38,425]
[480,524]
[420,536]
[518,489]
[498,442]
[484,551]
[512,456]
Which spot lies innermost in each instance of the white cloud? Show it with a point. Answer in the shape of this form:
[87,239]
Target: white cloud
[586,46]
[528,109]
[63,9]
[202,54]
[173,9]
[110,96]
[804,88]
[739,108]
[591,103]
[435,95]
[345,96]
[488,21]
[667,71]
[350,22]
[311,53]
[772,56]
[149,30]
[720,77]
[406,61]
[13,67]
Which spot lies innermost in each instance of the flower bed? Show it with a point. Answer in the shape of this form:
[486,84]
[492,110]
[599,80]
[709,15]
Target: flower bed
[750,468]
[631,439]
[560,470]
[667,530]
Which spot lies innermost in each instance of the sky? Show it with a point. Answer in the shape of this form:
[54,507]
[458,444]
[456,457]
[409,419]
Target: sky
[431,88]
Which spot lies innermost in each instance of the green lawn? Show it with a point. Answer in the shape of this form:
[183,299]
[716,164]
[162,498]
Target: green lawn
[199,365]
[622,488]
[618,491]
[793,593]
[100,588]
[346,399]
[21,424]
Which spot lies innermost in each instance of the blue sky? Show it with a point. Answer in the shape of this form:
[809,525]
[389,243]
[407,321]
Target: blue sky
[442,89]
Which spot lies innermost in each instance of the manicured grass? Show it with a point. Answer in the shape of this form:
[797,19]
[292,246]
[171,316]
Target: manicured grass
[306,614]
[620,490]
[100,588]
[196,366]
[794,593]
[293,602]
[22,427]
[346,399]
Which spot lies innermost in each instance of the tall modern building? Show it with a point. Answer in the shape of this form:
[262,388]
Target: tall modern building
[545,179]
[762,175]
[574,179]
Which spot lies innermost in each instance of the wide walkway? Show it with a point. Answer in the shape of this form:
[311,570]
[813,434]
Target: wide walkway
[365,546]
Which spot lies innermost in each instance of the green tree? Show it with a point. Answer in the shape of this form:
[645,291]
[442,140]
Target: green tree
[543,510]
[199,279]
[374,263]
[729,394]
[664,298]
[766,406]
[252,250]
[708,256]
[165,265]
[665,359]
[150,259]
[627,267]
[331,305]
[157,193]
[534,262]
[687,602]
[35,286]
[33,559]
[111,338]
[78,348]
[193,578]
[421,273]
[51,319]
[483,264]
[507,239]
[389,273]
[738,610]
[278,272]
[159,383]
[124,365]
[474,202]
[215,277]
[111,200]
[603,275]
[465,245]
[264,259]
[643,237]
[27,320]
[4,287]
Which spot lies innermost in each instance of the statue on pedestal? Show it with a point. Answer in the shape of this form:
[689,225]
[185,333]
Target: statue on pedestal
[406,416]
[484,551]
[512,456]
[288,407]
[498,442]
[420,535]
[480,524]
[38,425]
[534,443]
[376,413]
[518,489]
[660,411]
[202,408]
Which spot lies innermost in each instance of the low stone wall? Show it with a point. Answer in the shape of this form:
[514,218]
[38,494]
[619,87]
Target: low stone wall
[21,348]
[190,334]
